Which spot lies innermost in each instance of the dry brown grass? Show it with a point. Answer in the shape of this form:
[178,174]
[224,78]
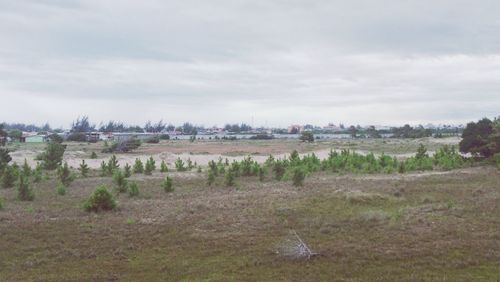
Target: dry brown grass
[403,227]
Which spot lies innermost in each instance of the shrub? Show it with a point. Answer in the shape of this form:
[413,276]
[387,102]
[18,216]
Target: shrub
[104,169]
[496,160]
[153,140]
[190,164]
[167,185]
[127,170]
[123,146]
[150,166]
[93,155]
[56,138]
[9,176]
[26,169]
[138,166]
[163,166]
[120,181]
[37,174]
[261,173]
[307,137]
[5,158]
[24,191]
[164,137]
[64,174]
[199,169]
[112,165]
[61,189]
[77,137]
[1,204]
[133,190]
[279,169]
[52,157]
[100,200]
[298,176]
[229,178]
[211,177]
[84,169]
[179,165]
[402,168]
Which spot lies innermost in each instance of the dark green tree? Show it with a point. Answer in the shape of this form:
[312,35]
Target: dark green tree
[475,138]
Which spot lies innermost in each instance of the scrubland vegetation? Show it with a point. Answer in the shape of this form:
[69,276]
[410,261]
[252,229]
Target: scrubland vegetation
[350,215]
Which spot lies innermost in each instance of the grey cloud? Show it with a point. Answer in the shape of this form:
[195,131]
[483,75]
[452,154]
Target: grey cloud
[279,61]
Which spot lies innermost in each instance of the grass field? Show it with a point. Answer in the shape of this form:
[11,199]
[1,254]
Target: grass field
[429,226]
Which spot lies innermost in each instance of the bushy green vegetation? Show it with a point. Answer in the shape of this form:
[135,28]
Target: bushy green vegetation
[100,200]
[481,138]
[297,168]
[138,166]
[133,189]
[179,165]
[52,157]
[123,146]
[84,169]
[9,176]
[26,169]
[150,166]
[163,166]
[112,165]
[120,181]
[167,184]
[127,170]
[61,189]
[24,191]
[5,158]
[64,174]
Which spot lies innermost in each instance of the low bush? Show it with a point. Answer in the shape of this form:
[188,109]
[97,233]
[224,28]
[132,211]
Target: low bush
[153,140]
[229,178]
[179,165]
[138,166]
[84,169]
[127,170]
[163,166]
[123,146]
[61,189]
[120,181]
[298,176]
[64,174]
[133,190]
[100,200]
[9,176]
[24,191]
[167,185]
[211,177]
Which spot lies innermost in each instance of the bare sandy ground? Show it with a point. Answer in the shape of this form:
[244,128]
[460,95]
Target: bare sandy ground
[203,152]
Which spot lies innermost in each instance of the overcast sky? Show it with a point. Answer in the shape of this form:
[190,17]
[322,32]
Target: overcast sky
[275,62]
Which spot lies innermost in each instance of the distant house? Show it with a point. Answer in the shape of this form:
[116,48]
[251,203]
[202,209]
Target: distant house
[34,139]
[93,136]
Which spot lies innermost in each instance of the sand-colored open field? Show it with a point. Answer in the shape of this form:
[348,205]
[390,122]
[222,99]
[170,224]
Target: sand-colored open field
[204,151]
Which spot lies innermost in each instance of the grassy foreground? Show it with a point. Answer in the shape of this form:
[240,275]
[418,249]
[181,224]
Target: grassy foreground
[440,226]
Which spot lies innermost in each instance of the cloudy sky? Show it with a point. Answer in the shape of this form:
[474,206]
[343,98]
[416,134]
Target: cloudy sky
[275,62]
